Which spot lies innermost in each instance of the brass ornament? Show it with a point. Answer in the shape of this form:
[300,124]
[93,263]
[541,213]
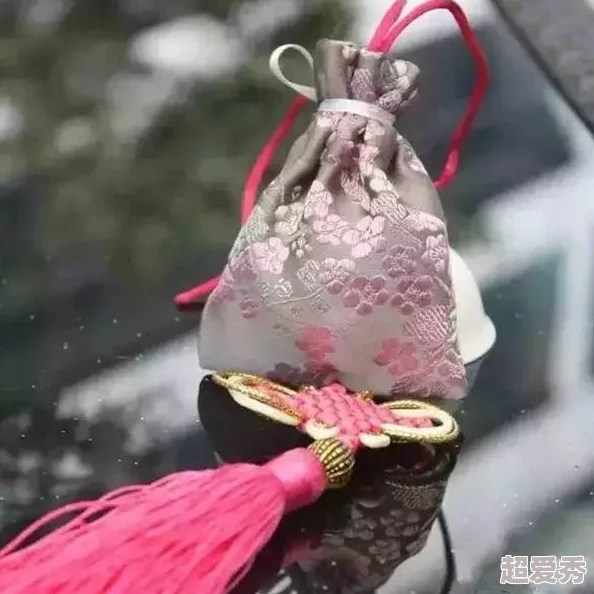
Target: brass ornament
[338,461]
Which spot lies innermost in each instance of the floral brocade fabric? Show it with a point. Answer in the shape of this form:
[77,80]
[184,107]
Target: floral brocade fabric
[342,271]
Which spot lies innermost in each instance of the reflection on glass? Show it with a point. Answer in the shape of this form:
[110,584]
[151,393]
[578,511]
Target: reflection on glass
[353,539]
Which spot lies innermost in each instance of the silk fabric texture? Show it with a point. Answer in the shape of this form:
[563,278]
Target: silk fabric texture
[342,271]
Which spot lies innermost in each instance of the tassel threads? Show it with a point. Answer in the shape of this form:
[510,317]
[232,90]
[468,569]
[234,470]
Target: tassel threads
[189,532]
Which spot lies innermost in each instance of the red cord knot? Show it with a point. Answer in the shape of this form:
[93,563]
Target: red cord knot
[302,476]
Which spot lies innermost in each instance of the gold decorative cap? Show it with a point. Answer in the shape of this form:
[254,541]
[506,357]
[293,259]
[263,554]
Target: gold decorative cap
[338,461]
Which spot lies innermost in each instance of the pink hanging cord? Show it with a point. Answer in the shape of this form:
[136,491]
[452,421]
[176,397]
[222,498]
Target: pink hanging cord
[388,21]
[480,87]
[384,37]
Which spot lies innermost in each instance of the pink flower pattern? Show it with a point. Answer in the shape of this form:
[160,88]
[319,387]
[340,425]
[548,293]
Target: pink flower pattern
[318,201]
[450,366]
[225,292]
[347,155]
[429,326]
[316,342]
[300,245]
[436,252]
[327,119]
[421,384]
[413,293]
[362,85]
[288,218]
[270,255]
[366,237]
[423,222]
[248,307]
[431,380]
[354,189]
[412,160]
[380,183]
[335,274]
[399,357]
[240,267]
[367,155]
[365,293]
[399,260]
[330,229]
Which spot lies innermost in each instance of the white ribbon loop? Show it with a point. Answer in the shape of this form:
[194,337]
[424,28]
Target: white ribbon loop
[373,112]
[275,67]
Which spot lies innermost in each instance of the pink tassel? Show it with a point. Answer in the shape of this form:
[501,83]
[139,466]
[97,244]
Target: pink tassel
[191,532]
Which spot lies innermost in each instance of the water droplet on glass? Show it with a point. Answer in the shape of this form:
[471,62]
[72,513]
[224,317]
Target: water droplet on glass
[557,500]
[65,346]
[32,317]
[114,321]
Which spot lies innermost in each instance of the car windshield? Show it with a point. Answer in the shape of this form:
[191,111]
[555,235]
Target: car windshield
[127,131]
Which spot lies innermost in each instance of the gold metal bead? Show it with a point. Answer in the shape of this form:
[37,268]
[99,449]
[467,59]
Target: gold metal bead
[365,395]
[337,459]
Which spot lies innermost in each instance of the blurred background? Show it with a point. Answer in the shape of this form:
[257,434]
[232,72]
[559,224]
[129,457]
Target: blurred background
[127,128]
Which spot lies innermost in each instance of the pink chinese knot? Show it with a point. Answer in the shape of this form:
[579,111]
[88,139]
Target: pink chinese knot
[334,406]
